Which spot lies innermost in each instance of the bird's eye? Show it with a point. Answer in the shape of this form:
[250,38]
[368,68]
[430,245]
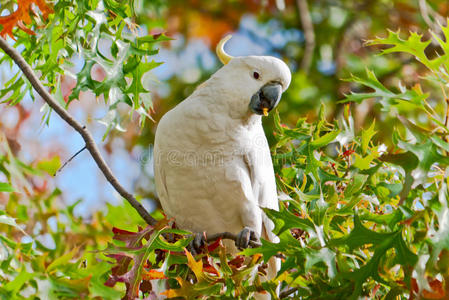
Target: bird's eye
[256,75]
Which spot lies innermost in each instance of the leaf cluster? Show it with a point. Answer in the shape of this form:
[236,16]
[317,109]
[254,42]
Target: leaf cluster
[95,43]
[358,218]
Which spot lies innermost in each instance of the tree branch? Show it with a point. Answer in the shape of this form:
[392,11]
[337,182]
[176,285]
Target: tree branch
[233,237]
[229,236]
[309,34]
[287,293]
[85,134]
[426,13]
[90,143]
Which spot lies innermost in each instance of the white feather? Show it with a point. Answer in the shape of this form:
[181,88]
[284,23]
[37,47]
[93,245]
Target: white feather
[213,168]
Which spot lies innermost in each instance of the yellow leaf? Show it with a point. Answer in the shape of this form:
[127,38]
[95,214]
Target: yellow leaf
[195,266]
[185,289]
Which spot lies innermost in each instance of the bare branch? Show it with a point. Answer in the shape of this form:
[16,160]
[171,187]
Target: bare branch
[287,293]
[427,14]
[86,135]
[229,236]
[309,34]
[233,237]
[70,159]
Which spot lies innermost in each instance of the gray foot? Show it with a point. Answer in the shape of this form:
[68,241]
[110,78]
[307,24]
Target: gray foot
[245,236]
[196,245]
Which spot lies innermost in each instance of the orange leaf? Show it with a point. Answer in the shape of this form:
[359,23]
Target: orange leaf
[437,289]
[153,274]
[171,293]
[22,16]
[24,28]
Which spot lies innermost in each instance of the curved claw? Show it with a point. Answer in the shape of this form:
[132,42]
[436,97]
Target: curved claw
[245,236]
[198,242]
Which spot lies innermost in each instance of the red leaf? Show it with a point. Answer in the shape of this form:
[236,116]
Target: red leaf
[237,262]
[210,269]
[117,231]
[132,239]
[121,267]
[214,245]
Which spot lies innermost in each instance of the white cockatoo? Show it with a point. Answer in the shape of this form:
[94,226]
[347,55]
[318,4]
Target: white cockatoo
[213,168]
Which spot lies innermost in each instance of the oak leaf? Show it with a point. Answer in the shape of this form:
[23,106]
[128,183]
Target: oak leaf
[21,16]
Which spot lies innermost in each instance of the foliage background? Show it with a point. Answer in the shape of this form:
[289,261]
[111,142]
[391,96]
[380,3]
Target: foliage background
[348,227]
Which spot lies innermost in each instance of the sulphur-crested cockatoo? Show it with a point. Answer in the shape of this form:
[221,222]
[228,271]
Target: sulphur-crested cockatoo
[213,168]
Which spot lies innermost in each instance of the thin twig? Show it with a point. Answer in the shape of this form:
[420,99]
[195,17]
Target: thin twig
[309,34]
[426,13]
[86,135]
[70,159]
[287,293]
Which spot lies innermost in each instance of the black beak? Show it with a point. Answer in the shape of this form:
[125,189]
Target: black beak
[266,98]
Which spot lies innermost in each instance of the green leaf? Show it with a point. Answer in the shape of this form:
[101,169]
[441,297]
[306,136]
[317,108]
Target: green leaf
[51,166]
[4,219]
[360,236]
[414,98]
[363,163]
[412,45]
[426,153]
[325,177]
[287,244]
[178,246]
[440,240]
[6,187]
[16,285]
[367,135]
[324,255]
[8,242]
[97,288]
[284,220]
[355,186]
[313,165]
[407,160]
[325,139]
[61,261]
[421,134]
[381,242]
